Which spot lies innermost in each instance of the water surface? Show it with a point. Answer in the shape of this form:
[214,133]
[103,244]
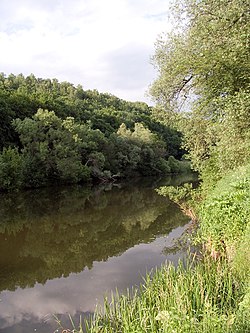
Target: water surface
[63,249]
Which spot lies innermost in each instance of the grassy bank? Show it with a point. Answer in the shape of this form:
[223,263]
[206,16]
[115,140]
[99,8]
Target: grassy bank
[209,294]
[204,297]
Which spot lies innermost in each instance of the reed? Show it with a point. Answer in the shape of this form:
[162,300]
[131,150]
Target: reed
[200,296]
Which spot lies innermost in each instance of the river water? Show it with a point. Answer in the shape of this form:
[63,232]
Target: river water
[63,249]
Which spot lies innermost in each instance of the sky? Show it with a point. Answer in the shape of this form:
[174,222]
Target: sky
[100,44]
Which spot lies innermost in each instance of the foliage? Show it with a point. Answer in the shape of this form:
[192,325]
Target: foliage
[21,97]
[11,169]
[204,74]
[52,147]
[204,70]
[208,55]
[67,135]
[184,196]
[225,211]
[173,164]
[179,194]
[233,146]
[143,150]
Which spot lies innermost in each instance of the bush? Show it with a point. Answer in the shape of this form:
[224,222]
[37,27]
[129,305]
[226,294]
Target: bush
[72,171]
[163,166]
[34,171]
[174,164]
[185,166]
[225,212]
[11,169]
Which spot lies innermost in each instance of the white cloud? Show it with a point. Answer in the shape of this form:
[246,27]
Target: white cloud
[89,42]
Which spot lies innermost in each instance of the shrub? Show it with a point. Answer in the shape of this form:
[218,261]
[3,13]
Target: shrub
[163,166]
[11,169]
[174,164]
[72,171]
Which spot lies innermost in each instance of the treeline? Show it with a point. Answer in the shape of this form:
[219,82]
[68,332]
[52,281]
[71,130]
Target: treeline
[53,132]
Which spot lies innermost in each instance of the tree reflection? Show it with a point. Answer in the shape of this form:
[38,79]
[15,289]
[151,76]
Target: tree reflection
[50,233]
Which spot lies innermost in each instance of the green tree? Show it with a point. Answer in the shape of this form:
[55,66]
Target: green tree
[51,149]
[204,68]
[88,134]
[21,97]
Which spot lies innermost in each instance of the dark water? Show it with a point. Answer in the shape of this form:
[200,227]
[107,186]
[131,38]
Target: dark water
[62,249]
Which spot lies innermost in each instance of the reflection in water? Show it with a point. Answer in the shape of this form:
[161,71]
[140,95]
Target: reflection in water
[62,249]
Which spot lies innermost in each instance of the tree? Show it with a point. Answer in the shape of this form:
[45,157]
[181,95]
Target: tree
[88,134]
[209,57]
[51,149]
[206,60]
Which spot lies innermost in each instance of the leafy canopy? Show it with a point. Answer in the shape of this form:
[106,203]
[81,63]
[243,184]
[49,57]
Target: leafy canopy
[204,71]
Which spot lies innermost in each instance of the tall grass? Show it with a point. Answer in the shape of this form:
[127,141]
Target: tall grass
[203,296]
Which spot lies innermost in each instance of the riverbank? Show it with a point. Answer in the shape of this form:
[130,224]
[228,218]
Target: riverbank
[208,295]
[203,297]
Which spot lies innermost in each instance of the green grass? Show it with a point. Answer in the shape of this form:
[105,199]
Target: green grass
[204,296]
[225,213]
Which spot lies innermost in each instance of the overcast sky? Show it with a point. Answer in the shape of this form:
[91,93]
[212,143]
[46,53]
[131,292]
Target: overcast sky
[100,44]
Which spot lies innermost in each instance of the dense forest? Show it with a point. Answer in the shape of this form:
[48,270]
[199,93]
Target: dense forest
[53,132]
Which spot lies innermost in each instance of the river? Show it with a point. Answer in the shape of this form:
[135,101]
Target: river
[63,249]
